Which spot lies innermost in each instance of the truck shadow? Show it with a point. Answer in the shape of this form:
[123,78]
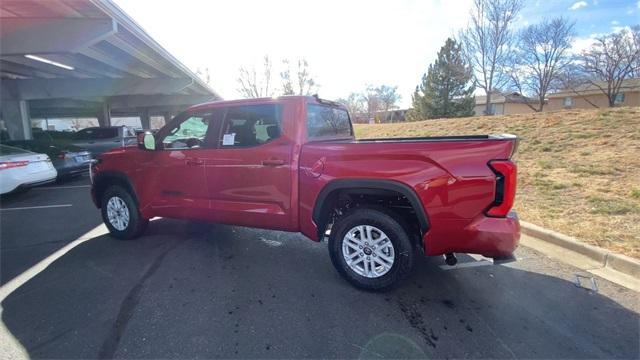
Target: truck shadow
[186,290]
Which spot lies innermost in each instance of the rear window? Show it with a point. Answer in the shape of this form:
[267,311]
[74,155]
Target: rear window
[251,125]
[327,121]
[96,134]
[10,150]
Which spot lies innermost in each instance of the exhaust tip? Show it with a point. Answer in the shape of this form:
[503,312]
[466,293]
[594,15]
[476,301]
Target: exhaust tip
[450,259]
[504,259]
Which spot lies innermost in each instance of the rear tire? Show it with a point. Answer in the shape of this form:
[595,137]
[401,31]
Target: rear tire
[121,215]
[371,249]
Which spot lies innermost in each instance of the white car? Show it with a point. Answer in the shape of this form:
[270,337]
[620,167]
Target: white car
[20,169]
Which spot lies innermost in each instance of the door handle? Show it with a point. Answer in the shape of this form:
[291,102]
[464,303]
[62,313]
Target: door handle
[195,162]
[273,162]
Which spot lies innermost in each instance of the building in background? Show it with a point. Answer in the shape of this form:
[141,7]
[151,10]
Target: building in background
[505,104]
[591,96]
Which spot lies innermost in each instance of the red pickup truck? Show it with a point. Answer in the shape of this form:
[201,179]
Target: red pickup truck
[292,163]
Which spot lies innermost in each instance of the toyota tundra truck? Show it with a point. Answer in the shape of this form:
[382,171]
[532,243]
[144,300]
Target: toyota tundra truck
[293,164]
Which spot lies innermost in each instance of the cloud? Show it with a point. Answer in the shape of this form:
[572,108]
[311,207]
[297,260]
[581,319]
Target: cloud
[638,4]
[578,5]
[581,44]
[615,22]
[617,29]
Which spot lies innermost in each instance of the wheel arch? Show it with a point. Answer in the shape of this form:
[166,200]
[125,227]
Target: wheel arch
[328,198]
[103,180]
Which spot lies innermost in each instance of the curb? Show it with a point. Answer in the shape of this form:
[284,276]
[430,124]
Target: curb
[606,258]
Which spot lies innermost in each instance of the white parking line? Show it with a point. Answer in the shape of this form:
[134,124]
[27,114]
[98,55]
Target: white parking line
[8,343]
[37,207]
[61,187]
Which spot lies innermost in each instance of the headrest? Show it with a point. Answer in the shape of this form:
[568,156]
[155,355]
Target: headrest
[273,131]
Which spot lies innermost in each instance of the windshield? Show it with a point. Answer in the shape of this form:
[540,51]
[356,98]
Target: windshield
[327,121]
[96,134]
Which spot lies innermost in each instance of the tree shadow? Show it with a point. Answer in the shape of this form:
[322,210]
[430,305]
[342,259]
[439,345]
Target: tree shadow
[186,290]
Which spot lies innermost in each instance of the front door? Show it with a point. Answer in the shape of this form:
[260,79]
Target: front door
[179,182]
[249,178]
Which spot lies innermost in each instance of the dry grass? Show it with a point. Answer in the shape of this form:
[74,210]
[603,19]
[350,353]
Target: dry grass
[579,170]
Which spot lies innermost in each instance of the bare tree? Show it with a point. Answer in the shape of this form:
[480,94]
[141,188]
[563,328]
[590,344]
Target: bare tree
[611,60]
[388,96]
[382,98]
[371,102]
[488,41]
[254,85]
[354,103]
[303,84]
[541,56]
[82,123]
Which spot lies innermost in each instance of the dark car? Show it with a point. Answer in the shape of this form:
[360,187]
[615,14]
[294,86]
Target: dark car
[69,160]
[100,139]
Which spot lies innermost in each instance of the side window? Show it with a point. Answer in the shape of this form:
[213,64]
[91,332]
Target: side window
[619,99]
[187,134]
[327,121]
[251,125]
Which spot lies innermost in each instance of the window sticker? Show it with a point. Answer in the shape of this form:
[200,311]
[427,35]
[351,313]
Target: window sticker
[229,139]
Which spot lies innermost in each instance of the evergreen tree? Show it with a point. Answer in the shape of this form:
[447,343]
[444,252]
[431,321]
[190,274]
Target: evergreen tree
[446,89]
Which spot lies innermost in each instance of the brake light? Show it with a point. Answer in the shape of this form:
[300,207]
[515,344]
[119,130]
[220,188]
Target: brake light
[12,164]
[506,178]
[62,155]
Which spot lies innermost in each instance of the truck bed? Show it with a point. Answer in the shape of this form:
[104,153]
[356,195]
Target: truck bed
[430,138]
[449,174]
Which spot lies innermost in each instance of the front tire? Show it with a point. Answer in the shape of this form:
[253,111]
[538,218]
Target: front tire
[371,249]
[121,215]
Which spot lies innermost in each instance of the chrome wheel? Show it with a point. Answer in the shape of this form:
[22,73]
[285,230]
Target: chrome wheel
[118,213]
[368,251]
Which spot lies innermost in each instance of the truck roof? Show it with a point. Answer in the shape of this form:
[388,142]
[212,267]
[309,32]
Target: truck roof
[306,98]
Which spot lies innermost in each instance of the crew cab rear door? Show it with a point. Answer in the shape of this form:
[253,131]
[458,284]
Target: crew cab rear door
[249,174]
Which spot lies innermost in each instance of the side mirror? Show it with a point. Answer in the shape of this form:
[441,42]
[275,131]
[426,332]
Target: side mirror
[146,140]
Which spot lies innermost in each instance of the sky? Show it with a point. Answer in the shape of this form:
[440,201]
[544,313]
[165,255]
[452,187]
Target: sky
[348,44]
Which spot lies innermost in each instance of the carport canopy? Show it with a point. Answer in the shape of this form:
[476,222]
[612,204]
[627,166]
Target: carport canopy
[86,58]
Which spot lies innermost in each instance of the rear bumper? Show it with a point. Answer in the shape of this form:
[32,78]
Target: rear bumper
[488,236]
[13,180]
[73,170]
[37,183]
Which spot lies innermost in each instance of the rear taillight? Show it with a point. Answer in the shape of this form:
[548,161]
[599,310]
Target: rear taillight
[62,155]
[506,177]
[12,164]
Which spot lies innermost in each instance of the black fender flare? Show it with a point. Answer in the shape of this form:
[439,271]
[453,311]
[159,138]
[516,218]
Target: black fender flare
[108,177]
[320,210]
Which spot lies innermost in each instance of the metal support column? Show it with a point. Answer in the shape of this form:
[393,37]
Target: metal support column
[15,114]
[104,116]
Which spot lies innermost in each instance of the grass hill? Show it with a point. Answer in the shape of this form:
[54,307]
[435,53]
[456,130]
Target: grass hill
[579,170]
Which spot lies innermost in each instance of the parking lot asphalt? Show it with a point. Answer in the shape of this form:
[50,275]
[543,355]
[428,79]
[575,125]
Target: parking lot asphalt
[188,290]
